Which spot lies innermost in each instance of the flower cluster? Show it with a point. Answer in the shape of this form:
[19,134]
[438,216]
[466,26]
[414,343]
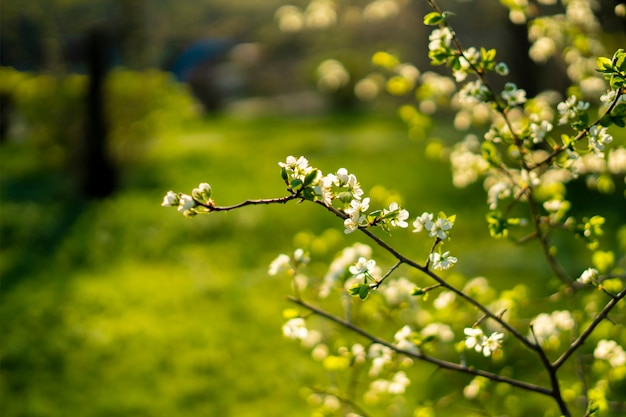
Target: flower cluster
[440,42]
[363,268]
[362,273]
[610,351]
[438,228]
[474,92]
[189,205]
[338,271]
[285,263]
[546,328]
[512,95]
[380,355]
[301,178]
[396,386]
[394,216]
[598,139]
[442,261]
[356,215]
[404,339]
[475,339]
[295,328]
[538,129]
[343,186]
[572,110]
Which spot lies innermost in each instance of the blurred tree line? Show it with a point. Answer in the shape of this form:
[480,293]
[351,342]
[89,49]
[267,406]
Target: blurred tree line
[60,39]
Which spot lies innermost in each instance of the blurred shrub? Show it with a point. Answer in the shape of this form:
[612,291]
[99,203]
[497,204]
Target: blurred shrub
[45,112]
[141,104]
[48,112]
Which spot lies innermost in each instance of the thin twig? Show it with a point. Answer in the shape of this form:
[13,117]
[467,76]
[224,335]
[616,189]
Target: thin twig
[384,277]
[279,200]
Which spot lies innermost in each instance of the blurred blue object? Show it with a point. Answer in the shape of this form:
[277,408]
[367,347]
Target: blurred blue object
[198,53]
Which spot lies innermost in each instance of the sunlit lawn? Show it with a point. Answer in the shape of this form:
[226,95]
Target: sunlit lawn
[125,308]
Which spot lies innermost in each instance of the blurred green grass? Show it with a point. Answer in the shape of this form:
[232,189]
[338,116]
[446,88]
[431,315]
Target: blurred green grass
[122,307]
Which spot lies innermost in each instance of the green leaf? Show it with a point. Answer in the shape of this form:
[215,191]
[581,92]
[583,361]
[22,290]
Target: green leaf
[619,60]
[296,184]
[309,194]
[362,290]
[604,64]
[490,153]
[284,176]
[616,82]
[619,110]
[433,19]
[487,55]
[418,291]
[310,177]
[498,227]
[365,289]
[567,140]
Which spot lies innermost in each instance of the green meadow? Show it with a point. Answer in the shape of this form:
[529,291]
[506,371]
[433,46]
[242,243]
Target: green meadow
[121,307]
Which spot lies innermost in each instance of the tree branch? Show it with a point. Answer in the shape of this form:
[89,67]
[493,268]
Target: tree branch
[279,200]
[421,356]
[587,332]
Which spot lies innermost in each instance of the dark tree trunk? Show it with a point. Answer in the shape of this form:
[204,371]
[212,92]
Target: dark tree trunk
[99,174]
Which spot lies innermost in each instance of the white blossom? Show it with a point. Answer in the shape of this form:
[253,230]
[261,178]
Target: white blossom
[539,128]
[512,95]
[441,331]
[399,215]
[473,93]
[339,266]
[295,329]
[547,327]
[436,228]
[170,200]
[570,109]
[588,276]
[467,162]
[402,339]
[498,191]
[442,261]
[610,351]
[186,203]
[362,267]
[444,300]
[440,39]
[398,291]
[281,264]
[356,217]
[492,343]
[380,355]
[616,161]
[598,139]
[475,339]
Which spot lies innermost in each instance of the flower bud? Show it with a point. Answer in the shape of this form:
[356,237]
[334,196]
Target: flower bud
[202,193]
[502,69]
[170,200]
[186,203]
